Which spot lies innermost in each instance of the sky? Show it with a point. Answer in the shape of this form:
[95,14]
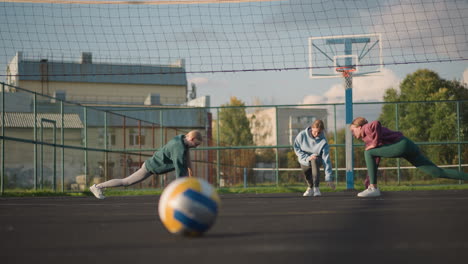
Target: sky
[414,31]
[227,45]
[295,87]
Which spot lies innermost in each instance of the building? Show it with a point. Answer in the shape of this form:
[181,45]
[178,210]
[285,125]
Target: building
[98,83]
[45,127]
[279,126]
[114,108]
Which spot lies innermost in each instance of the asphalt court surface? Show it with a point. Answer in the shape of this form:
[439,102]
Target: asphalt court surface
[398,227]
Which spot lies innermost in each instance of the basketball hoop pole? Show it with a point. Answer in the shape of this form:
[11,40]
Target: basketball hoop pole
[357,52]
[348,79]
[347,73]
[348,76]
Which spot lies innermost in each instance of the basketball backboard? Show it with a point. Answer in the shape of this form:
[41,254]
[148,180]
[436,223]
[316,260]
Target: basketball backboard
[361,52]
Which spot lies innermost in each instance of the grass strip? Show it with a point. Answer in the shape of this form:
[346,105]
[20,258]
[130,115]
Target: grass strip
[232,190]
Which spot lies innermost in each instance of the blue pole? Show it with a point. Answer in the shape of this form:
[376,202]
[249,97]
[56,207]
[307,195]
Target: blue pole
[349,136]
[349,119]
[245,177]
[2,171]
[348,50]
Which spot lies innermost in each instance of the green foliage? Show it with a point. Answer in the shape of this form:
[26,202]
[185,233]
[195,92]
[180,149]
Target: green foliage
[338,160]
[234,130]
[266,155]
[426,122]
[292,159]
[41,193]
[388,110]
[234,124]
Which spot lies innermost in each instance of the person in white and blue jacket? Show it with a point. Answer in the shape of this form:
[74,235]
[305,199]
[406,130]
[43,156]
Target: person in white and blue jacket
[312,150]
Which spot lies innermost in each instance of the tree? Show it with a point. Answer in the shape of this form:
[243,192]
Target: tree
[291,160]
[424,121]
[388,110]
[234,124]
[427,122]
[234,130]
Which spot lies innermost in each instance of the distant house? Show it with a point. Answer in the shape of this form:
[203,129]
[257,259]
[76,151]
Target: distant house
[98,83]
[119,107]
[19,156]
[280,126]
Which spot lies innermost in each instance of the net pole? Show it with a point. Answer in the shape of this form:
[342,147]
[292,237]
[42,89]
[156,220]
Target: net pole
[2,159]
[348,78]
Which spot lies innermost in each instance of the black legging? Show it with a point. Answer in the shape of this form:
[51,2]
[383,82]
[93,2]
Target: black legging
[311,173]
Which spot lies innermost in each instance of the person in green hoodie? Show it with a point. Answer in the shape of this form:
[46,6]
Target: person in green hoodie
[174,156]
[312,150]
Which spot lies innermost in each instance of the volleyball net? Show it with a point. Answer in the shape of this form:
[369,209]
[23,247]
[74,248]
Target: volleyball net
[227,35]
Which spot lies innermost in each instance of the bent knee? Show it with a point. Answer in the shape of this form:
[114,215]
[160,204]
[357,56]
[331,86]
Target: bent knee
[368,153]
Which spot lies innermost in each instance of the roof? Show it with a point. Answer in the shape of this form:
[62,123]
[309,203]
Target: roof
[101,73]
[26,120]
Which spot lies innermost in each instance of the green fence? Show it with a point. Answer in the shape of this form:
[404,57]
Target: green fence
[52,144]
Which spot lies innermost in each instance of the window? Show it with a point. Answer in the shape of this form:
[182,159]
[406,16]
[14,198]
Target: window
[135,139]
[110,139]
[110,136]
[306,120]
[293,134]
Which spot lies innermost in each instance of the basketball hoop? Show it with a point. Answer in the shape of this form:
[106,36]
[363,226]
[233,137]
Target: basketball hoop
[346,70]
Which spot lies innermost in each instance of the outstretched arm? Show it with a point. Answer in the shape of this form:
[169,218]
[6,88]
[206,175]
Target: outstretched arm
[328,167]
[189,164]
[181,164]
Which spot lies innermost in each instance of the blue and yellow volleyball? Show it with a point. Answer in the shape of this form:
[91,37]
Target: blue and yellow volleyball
[189,206]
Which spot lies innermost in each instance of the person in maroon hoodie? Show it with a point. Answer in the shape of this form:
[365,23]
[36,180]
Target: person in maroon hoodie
[381,142]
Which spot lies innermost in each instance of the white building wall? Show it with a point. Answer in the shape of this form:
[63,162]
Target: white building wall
[290,121]
[108,92]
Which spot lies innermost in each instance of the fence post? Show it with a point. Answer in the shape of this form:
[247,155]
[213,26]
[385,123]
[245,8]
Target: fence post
[2,176]
[336,142]
[85,118]
[245,178]
[62,141]
[277,143]
[218,155]
[36,169]
[106,147]
[161,142]
[397,113]
[458,139]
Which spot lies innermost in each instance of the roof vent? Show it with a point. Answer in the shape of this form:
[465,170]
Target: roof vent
[86,58]
[152,99]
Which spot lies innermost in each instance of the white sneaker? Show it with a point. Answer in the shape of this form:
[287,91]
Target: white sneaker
[97,192]
[369,192]
[317,192]
[308,192]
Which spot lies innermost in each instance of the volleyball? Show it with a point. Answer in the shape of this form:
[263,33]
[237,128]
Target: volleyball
[188,206]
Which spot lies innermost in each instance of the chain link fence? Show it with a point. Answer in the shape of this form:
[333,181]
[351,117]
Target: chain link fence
[49,144]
